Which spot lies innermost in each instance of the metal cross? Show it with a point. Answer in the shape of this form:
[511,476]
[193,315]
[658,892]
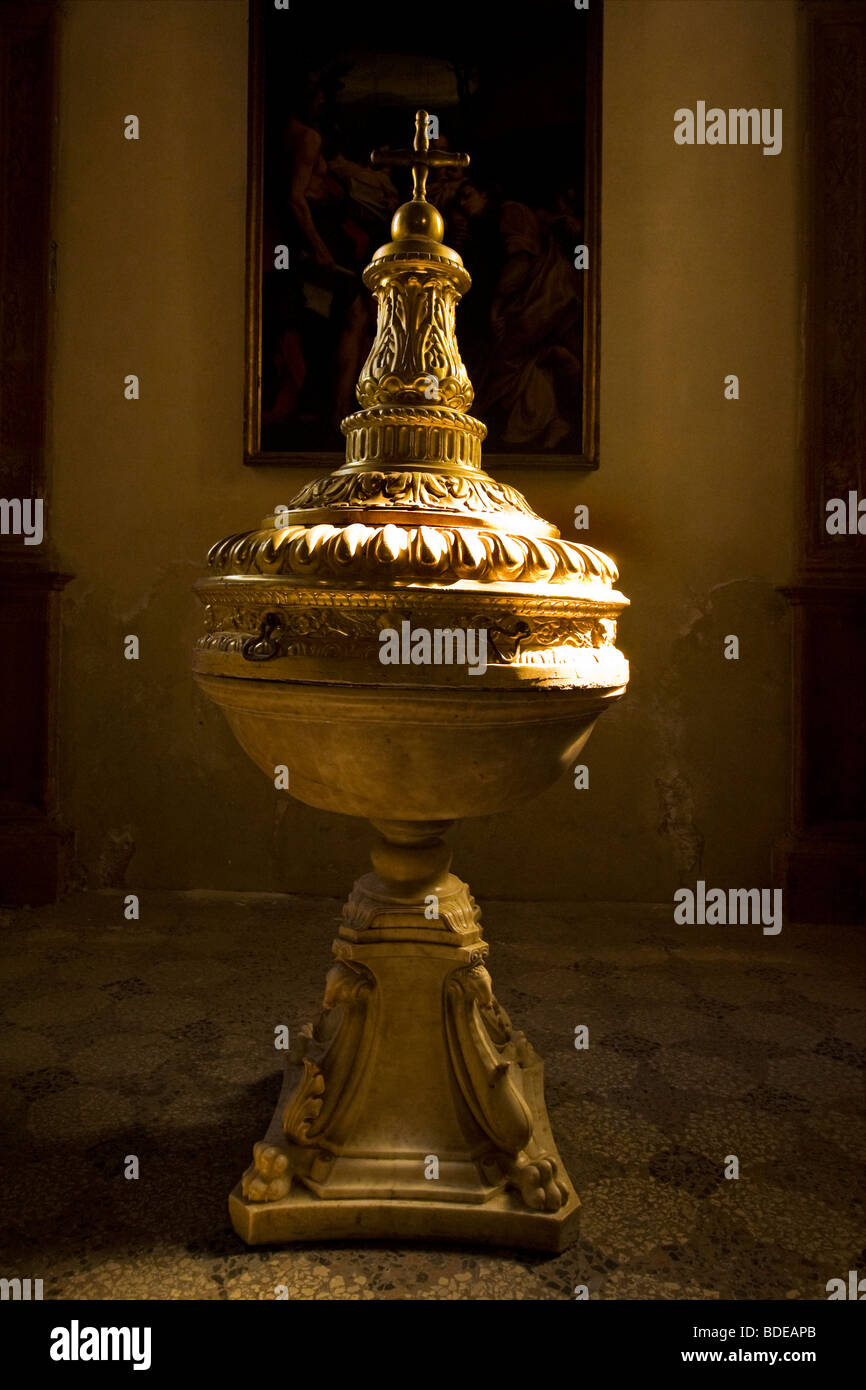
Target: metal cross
[421,158]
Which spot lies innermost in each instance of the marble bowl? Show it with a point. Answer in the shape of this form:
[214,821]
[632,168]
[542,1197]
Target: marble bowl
[398,753]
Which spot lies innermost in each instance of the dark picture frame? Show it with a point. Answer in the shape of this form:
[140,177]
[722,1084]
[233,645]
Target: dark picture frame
[348,78]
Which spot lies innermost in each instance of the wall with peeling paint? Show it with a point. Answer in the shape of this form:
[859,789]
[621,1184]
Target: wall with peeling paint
[694,496]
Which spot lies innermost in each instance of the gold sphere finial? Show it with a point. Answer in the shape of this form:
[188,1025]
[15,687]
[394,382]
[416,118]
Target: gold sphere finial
[417,219]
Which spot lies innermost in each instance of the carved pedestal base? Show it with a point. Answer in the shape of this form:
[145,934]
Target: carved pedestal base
[501,1221]
[412,1108]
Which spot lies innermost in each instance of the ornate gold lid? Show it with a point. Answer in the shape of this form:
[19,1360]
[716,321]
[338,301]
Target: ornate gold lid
[412,503]
[412,509]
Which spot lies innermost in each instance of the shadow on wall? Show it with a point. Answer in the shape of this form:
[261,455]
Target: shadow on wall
[688,775]
[725,695]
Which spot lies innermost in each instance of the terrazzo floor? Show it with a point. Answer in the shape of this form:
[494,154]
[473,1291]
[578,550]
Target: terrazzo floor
[155,1038]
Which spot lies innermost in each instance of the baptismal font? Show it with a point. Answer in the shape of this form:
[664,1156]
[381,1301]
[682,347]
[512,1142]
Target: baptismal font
[413,1107]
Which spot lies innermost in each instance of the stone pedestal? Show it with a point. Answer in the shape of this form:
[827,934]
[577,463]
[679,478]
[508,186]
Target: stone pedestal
[412,1108]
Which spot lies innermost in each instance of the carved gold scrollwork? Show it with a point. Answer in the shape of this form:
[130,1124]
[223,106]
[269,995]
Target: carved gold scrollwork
[440,553]
[415,344]
[426,491]
[515,632]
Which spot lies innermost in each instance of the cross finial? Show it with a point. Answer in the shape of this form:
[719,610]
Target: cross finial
[421,159]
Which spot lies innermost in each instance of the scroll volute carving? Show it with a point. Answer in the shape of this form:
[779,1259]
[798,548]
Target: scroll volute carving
[485,1068]
[499,1075]
[337,1050]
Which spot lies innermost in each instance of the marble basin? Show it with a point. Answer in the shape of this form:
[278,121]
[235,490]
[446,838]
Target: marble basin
[401,753]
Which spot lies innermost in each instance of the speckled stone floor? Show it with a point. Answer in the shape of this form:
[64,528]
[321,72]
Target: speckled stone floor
[155,1038]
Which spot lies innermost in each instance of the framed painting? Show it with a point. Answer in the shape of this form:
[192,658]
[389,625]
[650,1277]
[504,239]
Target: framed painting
[328,84]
